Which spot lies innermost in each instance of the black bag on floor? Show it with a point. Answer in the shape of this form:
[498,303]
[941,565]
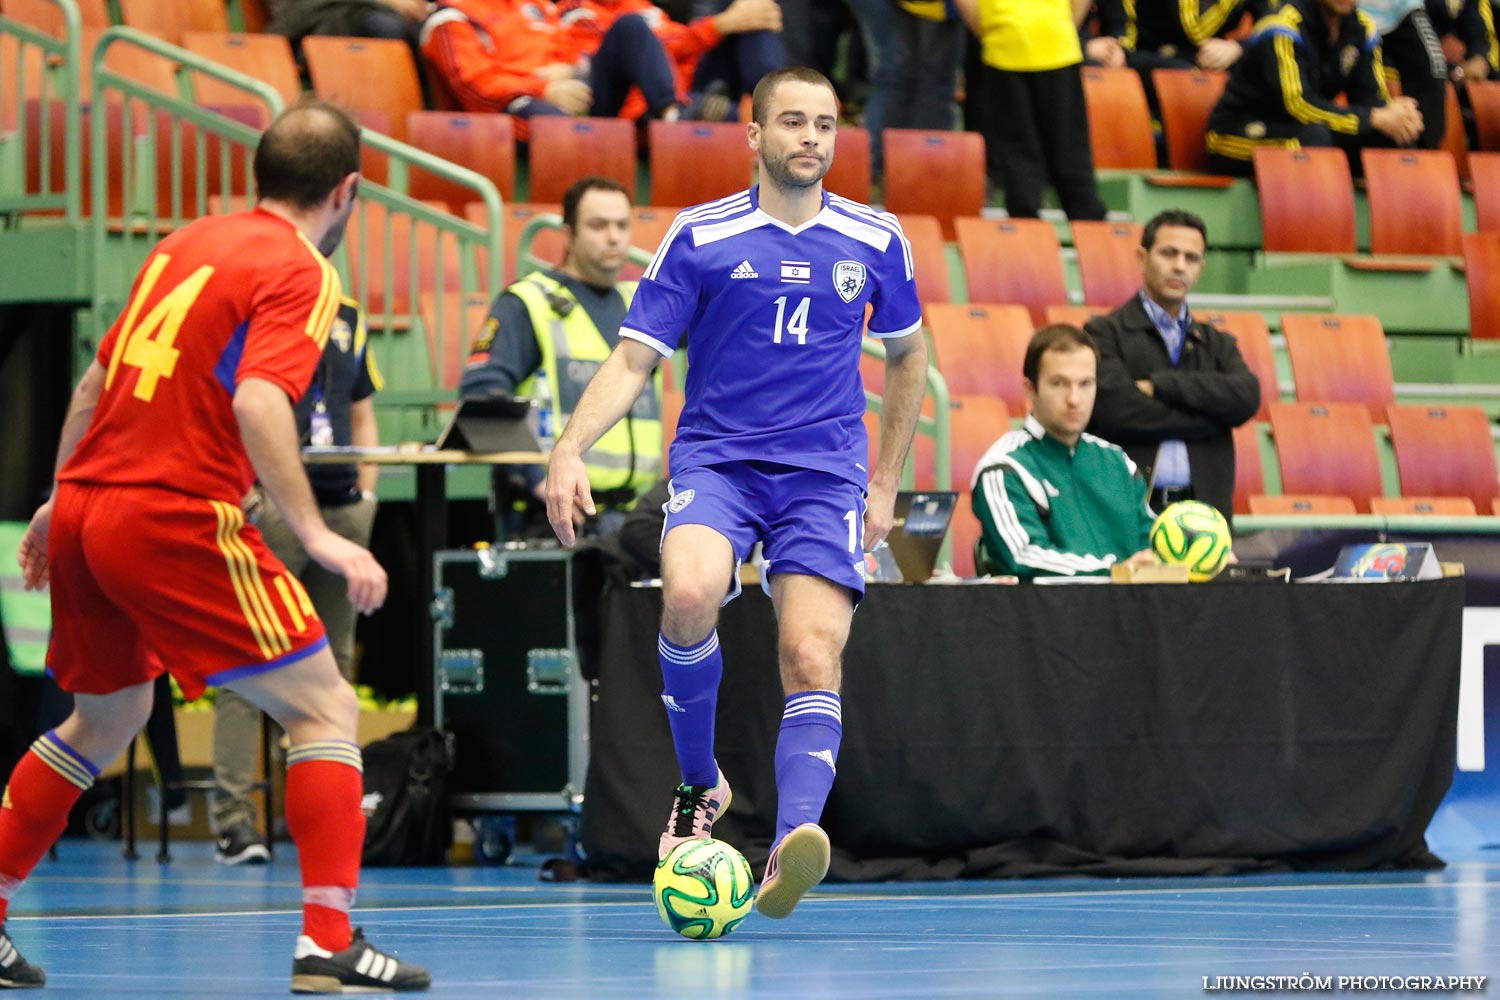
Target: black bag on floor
[407,821]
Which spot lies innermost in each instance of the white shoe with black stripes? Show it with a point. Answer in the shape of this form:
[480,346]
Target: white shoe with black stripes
[359,968]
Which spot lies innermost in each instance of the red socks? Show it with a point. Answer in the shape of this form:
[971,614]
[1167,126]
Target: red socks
[35,806]
[324,786]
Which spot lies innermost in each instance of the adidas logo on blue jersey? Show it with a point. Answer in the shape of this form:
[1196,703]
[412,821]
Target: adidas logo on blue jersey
[744,271]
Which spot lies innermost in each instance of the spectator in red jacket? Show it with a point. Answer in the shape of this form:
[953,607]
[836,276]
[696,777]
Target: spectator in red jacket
[523,57]
[718,55]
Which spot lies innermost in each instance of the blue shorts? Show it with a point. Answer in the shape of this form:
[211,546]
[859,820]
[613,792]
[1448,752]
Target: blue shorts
[809,522]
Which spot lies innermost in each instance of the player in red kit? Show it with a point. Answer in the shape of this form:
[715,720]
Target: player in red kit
[152,565]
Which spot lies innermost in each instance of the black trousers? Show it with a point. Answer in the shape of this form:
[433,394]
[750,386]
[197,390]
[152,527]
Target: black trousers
[1413,51]
[1036,131]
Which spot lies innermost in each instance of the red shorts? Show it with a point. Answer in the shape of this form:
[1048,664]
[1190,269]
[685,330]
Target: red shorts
[146,580]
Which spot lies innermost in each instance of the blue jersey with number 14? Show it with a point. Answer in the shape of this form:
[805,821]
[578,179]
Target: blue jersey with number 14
[773,316]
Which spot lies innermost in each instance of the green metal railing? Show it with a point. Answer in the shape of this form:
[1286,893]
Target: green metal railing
[39,74]
[162,159]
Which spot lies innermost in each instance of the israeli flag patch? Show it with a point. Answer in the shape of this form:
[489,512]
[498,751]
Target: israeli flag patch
[848,279]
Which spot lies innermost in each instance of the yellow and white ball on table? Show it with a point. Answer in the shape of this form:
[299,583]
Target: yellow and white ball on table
[1193,534]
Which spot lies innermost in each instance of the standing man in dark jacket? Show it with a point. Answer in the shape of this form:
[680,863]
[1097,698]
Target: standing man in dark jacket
[1171,389]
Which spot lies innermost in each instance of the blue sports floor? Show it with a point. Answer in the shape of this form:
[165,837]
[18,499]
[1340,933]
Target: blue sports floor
[103,927]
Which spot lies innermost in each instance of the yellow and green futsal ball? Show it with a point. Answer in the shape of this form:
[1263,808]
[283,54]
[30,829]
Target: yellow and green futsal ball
[1191,533]
[703,889]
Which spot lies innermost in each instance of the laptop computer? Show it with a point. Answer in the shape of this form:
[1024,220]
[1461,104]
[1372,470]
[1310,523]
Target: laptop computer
[489,424]
[910,551]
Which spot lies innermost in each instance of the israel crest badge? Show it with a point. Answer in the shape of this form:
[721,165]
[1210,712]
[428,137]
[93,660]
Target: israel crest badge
[848,279]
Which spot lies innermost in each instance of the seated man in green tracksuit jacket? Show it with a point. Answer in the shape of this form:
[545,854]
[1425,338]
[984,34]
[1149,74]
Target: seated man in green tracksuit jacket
[1054,501]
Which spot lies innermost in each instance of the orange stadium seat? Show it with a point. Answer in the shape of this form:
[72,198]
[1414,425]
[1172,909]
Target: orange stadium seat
[1327,449]
[1249,474]
[1306,200]
[1013,261]
[256,14]
[130,61]
[929,256]
[1484,99]
[979,349]
[1078,316]
[1187,98]
[1484,172]
[1436,506]
[1107,261]
[168,19]
[563,149]
[648,227]
[1482,272]
[1444,451]
[850,174]
[1455,139]
[975,423]
[1414,201]
[1254,339]
[47,16]
[373,232]
[693,162]
[1340,359]
[964,532]
[483,142]
[342,71]
[547,246]
[266,57]
[937,173]
[1301,503]
[1119,119]
[451,320]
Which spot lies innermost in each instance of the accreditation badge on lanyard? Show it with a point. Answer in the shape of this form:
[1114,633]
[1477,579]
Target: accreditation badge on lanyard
[320,430]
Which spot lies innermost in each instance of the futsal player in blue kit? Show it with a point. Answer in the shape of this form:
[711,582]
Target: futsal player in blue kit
[770,288]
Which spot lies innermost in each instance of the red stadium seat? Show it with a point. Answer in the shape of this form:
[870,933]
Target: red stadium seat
[452,320]
[1306,200]
[975,423]
[979,349]
[1340,359]
[1119,119]
[168,19]
[342,71]
[964,533]
[1482,272]
[929,256]
[850,174]
[1254,340]
[1108,263]
[937,173]
[1484,170]
[1301,504]
[1249,474]
[1073,315]
[694,162]
[563,149]
[484,143]
[1327,449]
[1013,261]
[1444,451]
[1434,506]
[1414,201]
[267,58]
[648,227]
[1187,97]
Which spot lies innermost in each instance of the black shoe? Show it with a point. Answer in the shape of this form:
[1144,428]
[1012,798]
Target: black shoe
[15,972]
[242,844]
[711,105]
[357,969]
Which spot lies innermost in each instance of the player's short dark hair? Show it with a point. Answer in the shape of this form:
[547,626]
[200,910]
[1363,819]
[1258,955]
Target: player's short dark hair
[581,187]
[306,152]
[1055,337]
[1172,217]
[760,100]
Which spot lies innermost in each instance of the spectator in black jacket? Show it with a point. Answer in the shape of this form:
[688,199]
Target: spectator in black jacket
[1283,90]
[1472,22]
[1154,34]
[1171,388]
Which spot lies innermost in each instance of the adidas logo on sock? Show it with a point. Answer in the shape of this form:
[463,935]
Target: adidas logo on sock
[826,756]
[671,704]
[744,271]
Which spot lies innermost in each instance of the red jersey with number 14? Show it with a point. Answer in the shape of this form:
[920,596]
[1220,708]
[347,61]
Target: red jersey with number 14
[227,298]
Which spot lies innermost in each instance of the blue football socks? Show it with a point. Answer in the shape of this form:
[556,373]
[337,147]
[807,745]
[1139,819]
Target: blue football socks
[690,691]
[806,755]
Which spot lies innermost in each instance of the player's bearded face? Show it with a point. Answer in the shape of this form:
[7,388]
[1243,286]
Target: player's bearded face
[796,143]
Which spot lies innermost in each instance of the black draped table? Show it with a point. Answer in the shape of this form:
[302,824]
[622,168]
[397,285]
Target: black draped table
[1030,730]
